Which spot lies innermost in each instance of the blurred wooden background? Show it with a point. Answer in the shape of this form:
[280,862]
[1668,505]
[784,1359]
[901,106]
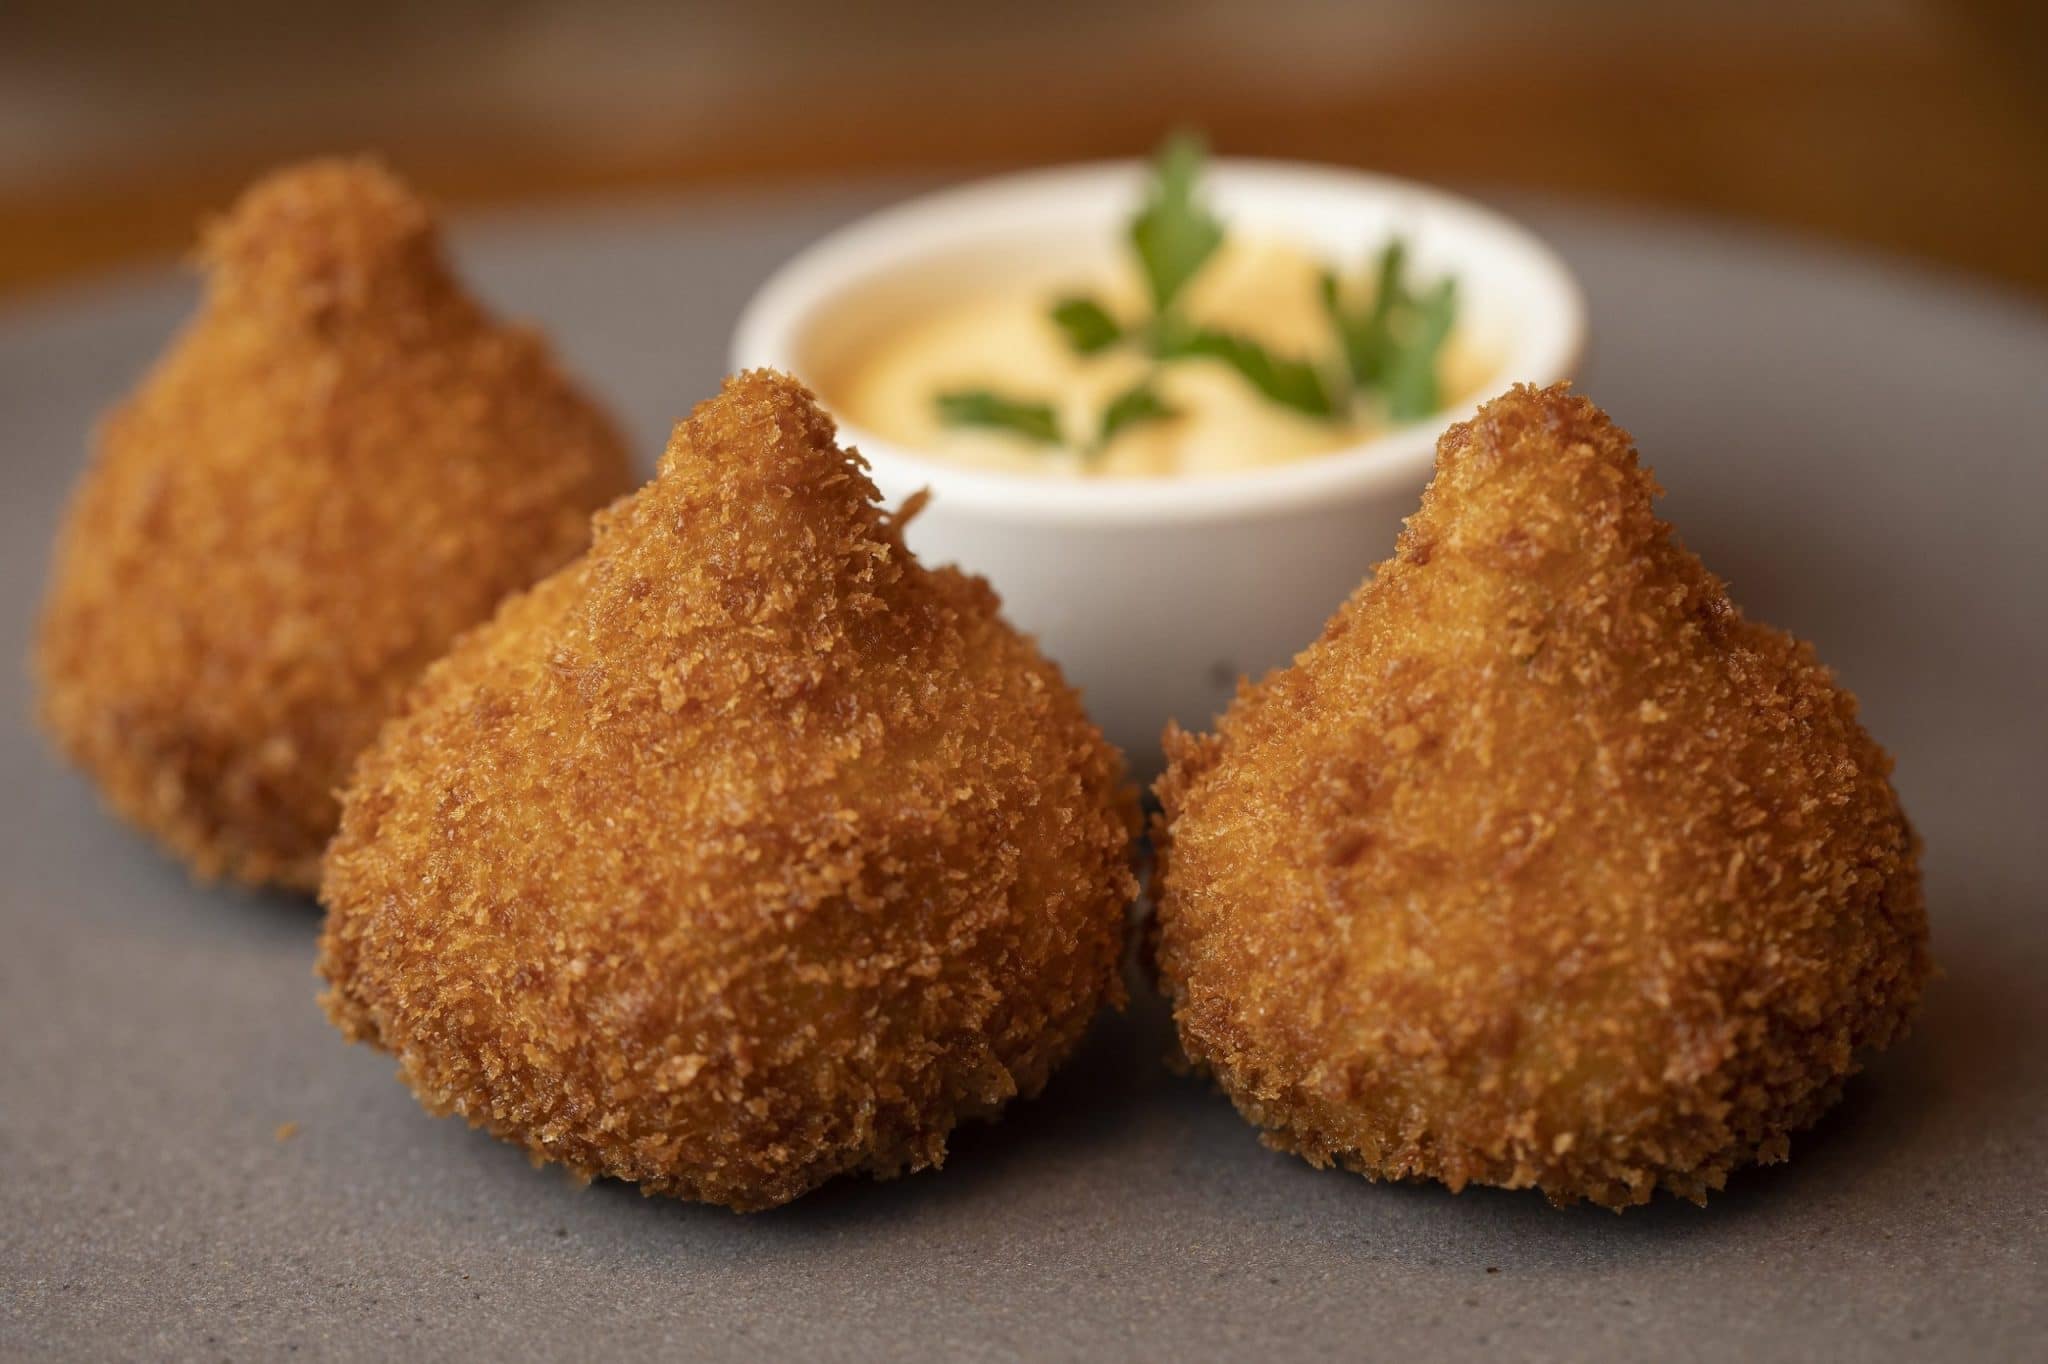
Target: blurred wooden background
[1914,126]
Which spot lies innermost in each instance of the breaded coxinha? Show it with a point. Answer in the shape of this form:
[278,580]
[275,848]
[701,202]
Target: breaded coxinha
[1542,866]
[745,851]
[341,463]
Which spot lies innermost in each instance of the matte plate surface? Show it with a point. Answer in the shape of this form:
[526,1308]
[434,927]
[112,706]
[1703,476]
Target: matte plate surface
[1857,448]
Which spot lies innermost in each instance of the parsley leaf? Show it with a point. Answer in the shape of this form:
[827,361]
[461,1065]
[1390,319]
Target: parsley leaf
[1389,292]
[1387,346]
[1291,383]
[1174,233]
[1035,422]
[1367,337]
[1138,403]
[1087,324]
[1411,372]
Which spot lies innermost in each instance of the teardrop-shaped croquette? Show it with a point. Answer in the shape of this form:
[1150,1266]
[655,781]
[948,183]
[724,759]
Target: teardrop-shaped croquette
[341,464]
[1542,866]
[744,852]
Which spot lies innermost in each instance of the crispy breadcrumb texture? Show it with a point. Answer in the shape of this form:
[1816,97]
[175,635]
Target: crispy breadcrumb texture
[1542,866]
[341,464]
[744,852]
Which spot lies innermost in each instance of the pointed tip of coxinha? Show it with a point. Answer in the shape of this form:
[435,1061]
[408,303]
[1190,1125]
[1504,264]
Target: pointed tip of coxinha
[764,543]
[1538,477]
[758,473]
[340,233]
[1539,433]
[769,426]
[1554,415]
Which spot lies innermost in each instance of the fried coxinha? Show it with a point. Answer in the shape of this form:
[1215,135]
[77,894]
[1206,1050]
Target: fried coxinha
[1543,866]
[744,852]
[341,463]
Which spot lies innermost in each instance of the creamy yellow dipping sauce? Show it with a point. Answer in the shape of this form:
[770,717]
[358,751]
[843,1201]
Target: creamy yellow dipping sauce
[1005,340]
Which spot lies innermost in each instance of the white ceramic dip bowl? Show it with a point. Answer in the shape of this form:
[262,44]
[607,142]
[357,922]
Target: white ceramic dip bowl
[1155,594]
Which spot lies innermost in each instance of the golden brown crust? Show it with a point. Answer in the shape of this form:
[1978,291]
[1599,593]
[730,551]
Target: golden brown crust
[743,852]
[341,464]
[1542,866]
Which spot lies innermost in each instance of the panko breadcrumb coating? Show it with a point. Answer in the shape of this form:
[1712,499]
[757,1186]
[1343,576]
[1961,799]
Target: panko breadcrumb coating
[1542,866]
[744,852]
[341,464]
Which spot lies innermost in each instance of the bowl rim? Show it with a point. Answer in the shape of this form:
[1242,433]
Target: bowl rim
[767,335]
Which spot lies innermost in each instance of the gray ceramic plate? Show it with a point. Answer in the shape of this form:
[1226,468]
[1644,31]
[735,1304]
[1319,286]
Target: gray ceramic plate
[1858,449]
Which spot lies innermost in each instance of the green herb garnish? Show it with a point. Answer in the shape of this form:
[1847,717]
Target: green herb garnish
[1291,383]
[1174,234]
[1035,422]
[1087,324]
[1386,348]
[1138,403]
[1367,336]
[1411,373]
